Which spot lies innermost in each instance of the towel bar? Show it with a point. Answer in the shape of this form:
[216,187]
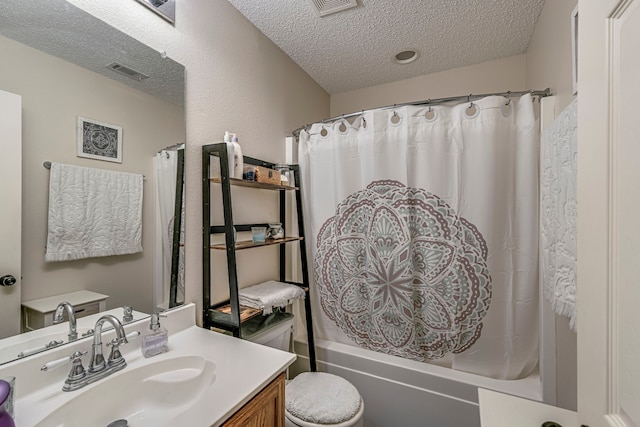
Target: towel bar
[47,165]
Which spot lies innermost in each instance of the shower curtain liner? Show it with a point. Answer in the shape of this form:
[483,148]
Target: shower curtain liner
[422,225]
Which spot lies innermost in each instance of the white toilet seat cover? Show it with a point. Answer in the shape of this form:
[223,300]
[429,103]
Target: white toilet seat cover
[321,398]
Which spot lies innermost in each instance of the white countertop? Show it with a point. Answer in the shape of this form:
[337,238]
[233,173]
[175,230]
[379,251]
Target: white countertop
[242,369]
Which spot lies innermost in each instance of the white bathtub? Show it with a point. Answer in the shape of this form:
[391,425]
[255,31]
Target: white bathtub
[405,393]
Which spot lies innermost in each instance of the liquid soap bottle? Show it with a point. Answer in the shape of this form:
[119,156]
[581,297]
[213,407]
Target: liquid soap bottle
[155,340]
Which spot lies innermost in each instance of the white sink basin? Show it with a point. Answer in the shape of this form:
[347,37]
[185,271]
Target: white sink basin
[149,395]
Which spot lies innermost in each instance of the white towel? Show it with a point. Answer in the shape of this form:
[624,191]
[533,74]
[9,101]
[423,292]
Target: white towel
[269,294]
[558,213]
[93,213]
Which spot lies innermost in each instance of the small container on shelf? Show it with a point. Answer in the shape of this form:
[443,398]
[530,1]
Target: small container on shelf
[275,231]
[285,173]
[249,173]
[266,175]
[258,234]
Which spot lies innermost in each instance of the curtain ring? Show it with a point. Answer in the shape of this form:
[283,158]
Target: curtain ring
[508,96]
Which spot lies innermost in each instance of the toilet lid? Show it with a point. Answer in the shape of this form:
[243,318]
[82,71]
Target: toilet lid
[321,398]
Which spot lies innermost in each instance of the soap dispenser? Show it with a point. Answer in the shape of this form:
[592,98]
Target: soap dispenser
[155,340]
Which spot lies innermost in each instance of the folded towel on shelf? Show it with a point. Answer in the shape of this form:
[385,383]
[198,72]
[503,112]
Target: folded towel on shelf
[269,294]
[93,213]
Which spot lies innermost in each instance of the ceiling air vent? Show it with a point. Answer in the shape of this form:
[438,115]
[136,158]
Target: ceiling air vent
[126,71]
[327,7]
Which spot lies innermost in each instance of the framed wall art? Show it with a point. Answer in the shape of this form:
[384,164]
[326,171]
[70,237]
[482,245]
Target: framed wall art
[99,141]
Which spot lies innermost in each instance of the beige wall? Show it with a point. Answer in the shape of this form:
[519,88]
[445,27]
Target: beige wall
[548,58]
[237,80]
[493,76]
[54,93]
[548,64]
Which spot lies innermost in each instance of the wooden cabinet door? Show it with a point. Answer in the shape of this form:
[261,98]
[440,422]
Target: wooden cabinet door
[265,410]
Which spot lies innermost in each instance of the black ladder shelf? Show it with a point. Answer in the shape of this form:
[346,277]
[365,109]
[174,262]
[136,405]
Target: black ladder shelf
[229,315]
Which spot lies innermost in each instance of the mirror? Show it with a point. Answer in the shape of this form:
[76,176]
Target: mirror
[60,60]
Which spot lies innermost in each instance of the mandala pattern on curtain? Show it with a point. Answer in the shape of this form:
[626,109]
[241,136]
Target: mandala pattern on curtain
[401,273]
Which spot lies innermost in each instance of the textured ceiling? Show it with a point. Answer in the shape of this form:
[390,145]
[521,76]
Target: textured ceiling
[355,48]
[63,30]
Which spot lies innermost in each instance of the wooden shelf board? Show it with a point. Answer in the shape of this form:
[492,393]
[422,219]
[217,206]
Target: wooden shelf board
[246,244]
[246,313]
[254,184]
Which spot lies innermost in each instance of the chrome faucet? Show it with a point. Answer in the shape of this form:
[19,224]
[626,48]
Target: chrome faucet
[79,377]
[97,363]
[57,318]
[98,368]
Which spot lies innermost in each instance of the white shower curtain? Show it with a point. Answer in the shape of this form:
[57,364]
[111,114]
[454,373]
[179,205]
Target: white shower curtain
[422,229]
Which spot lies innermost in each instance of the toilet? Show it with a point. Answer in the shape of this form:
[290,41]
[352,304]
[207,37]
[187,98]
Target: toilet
[310,398]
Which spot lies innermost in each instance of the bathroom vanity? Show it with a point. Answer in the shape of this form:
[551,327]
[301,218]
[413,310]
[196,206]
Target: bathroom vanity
[265,409]
[205,379]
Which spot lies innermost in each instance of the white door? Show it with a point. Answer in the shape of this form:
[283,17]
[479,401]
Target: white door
[10,211]
[608,213]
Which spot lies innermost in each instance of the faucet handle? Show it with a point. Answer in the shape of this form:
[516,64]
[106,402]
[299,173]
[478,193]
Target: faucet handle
[127,314]
[115,357]
[77,356]
[132,335]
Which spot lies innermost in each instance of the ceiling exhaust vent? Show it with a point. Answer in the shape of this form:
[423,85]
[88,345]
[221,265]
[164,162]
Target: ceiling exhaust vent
[327,7]
[126,71]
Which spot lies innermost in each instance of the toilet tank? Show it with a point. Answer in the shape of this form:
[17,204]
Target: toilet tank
[273,330]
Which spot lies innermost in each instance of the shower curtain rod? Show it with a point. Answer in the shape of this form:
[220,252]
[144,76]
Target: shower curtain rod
[437,101]
[178,146]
